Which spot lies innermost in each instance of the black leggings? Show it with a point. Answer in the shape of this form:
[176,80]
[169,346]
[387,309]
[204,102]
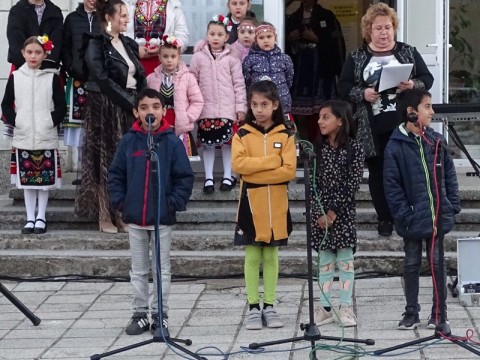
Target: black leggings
[375,180]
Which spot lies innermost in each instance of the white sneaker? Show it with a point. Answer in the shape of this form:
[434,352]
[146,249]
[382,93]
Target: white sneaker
[253,320]
[347,317]
[323,316]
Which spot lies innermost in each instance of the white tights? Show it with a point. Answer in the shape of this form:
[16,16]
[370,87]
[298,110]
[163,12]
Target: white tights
[31,196]
[209,161]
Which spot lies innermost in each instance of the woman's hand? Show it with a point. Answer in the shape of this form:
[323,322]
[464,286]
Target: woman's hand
[404,85]
[309,35]
[327,220]
[370,95]
[294,35]
[321,222]
[331,217]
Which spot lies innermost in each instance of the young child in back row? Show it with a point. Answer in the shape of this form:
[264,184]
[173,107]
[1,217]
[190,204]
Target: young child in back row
[266,60]
[264,154]
[180,91]
[130,190]
[337,178]
[408,178]
[40,106]
[246,36]
[237,10]
[218,70]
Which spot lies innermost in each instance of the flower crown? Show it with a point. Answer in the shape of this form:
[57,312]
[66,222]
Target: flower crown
[46,43]
[265,28]
[171,40]
[247,26]
[223,20]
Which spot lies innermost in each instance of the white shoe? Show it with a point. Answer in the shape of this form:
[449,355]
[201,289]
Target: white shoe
[347,317]
[323,316]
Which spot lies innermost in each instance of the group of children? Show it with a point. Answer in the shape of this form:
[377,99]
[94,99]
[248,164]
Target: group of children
[262,152]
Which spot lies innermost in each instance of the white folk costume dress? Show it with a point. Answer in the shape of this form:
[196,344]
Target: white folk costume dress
[39,107]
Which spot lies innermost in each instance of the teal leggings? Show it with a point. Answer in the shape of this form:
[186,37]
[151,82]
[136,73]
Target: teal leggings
[343,258]
[253,256]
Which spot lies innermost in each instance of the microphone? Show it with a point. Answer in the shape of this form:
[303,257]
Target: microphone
[150,118]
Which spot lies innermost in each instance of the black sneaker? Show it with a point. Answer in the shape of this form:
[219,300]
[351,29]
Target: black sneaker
[385,228]
[432,324]
[138,324]
[409,321]
[156,322]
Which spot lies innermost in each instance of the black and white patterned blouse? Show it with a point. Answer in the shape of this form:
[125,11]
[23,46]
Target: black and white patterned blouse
[337,179]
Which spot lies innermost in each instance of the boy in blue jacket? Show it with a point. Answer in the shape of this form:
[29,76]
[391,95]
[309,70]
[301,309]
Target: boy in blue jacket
[410,190]
[130,191]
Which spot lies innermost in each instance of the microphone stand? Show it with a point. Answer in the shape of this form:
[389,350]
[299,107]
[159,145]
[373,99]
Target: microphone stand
[161,333]
[311,331]
[20,306]
[442,330]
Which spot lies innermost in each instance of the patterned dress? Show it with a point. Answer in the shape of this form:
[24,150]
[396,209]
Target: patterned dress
[337,179]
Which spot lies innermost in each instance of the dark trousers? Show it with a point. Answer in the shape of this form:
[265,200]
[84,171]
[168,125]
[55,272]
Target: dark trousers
[375,180]
[411,270]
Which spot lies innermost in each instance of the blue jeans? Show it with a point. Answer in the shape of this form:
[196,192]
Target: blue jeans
[411,270]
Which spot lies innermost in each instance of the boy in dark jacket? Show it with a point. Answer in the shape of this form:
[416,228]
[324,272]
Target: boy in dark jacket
[130,189]
[410,190]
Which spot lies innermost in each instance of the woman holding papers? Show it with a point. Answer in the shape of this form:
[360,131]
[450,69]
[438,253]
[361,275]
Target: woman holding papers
[375,111]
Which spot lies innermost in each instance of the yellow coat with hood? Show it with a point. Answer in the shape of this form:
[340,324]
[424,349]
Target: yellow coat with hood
[266,161]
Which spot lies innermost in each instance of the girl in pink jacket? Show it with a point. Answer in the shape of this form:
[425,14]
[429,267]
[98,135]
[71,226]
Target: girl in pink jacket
[218,70]
[183,99]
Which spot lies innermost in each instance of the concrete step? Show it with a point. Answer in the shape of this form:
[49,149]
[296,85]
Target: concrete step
[28,263]
[188,240]
[204,218]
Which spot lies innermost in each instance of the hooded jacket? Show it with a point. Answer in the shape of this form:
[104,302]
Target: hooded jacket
[187,97]
[76,24]
[274,64]
[221,82]
[40,106]
[266,162]
[23,23]
[409,183]
[130,183]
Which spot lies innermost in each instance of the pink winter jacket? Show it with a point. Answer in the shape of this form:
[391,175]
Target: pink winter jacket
[221,82]
[188,100]
[242,50]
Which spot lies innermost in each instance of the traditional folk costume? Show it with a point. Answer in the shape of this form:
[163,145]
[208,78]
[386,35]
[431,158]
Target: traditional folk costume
[150,20]
[76,24]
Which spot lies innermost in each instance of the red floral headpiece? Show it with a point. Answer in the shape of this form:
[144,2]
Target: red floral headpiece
[223,20]
[46,43]
[171,40]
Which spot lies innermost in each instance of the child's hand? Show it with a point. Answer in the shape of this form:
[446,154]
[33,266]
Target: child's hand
[321,222]
[240,116]
[331,217]
[153,50]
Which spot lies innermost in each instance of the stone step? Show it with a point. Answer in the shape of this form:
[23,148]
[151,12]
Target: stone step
[204,218]
[28,263]
[188,240]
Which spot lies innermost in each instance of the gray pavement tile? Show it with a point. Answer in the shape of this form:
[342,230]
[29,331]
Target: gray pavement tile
[67,353]
[14,354]
[65,307]
[64,298]
[90,341]
[126,305]
[38,332]
[96,333]
[101,323]
[39,286]
[210,331]
[9,324]
[234,304]
[87,287]
[21,344]
[58,315]
[107,314]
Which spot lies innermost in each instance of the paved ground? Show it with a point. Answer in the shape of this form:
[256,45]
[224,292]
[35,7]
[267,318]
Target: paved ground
[84,318]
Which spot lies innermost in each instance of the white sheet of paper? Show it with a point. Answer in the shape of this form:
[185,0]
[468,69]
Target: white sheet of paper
[394,74]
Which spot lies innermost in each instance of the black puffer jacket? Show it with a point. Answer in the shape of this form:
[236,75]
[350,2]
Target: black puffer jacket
[23,23]
[76,24]
[409,182]
[109,70]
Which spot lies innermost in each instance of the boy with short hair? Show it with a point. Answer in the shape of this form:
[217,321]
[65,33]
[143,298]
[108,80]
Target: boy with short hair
[410,191]
[130,191]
